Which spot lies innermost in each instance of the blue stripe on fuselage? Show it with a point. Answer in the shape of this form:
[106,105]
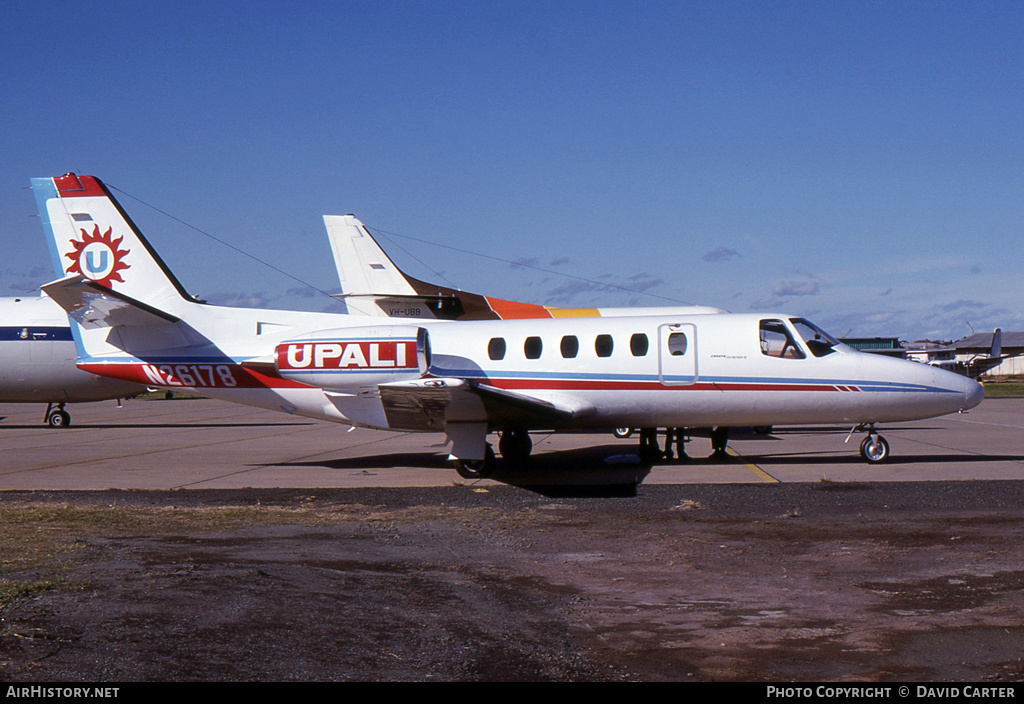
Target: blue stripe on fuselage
[725,382]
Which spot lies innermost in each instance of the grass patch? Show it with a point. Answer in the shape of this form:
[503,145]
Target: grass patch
[1004,389]
[41,542]
[44,544]
[12,590]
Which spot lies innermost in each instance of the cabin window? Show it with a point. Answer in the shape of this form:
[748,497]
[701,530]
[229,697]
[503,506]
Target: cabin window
[570,346]
[776,341]
[533,347]
[677,344]
[639,344]
[496,348]
[604,345]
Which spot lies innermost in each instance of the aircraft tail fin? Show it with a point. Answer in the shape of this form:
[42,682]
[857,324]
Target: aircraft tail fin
[373,285]
[363,267]
[997,343]
[89,234]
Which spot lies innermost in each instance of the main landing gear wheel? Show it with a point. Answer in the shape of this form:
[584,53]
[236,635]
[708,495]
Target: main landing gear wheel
[874,449]
[476,469]
[58,418]
[515,445]
[622,432]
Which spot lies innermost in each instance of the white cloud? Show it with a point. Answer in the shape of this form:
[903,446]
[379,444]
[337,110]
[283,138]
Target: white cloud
[796,288]
[721,254]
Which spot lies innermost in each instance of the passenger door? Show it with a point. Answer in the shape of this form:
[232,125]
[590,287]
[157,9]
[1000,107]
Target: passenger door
[677,354]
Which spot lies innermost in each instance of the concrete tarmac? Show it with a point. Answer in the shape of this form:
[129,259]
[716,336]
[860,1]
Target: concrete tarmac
[205,444]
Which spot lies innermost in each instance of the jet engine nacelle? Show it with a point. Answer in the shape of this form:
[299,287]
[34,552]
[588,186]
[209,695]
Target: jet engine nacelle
[349,359]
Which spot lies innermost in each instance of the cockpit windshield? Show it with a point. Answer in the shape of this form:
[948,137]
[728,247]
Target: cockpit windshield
[777,341]
[819,342]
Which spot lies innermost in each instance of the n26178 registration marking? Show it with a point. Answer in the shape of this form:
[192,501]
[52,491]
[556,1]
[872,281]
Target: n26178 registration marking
[195,376]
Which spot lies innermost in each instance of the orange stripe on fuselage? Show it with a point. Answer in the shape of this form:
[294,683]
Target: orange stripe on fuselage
[574,312]
[514,310]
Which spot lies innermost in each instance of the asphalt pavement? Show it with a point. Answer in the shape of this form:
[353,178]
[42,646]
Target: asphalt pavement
[161,444]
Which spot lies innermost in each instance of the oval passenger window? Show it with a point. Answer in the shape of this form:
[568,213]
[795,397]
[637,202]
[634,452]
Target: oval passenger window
[638,344]
[570,346]
[496,348]
[532,347]
[677,344]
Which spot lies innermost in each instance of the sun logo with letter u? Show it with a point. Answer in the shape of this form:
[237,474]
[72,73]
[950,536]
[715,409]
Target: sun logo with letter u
[98,257]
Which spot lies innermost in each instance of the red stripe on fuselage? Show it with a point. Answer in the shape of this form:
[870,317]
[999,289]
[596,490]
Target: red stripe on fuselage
[611,385]
[226,376]
[725,386]
[191,375]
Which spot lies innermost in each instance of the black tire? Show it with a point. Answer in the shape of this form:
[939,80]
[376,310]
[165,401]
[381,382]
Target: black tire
[874,449]
[471,469]
[59,419]
[476,469]
[515,445]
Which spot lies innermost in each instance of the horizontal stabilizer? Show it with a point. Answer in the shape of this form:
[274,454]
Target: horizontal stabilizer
[93,305]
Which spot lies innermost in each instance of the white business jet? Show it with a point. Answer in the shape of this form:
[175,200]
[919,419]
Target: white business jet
[466,378]
[38,361]
[39,356]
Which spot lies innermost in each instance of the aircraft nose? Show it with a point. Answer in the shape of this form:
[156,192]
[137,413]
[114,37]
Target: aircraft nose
[974,394]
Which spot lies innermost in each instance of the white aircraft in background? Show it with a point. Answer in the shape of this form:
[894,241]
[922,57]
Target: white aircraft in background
[373,285]
[466,378]
[39,357]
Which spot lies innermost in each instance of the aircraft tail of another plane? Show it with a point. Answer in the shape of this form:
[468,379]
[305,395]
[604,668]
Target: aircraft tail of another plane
[90,235]
[363,267]
[373,285]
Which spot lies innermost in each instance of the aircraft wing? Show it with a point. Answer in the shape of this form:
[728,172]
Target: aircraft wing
[428,404]
[978,366]
[93,305]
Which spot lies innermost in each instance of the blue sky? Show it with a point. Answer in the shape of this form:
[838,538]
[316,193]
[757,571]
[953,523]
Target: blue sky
[858,163]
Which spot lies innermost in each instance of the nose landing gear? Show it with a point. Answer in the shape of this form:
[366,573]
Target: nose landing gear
[873,448]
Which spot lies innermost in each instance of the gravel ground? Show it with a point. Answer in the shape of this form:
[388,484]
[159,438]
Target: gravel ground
[794,582]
